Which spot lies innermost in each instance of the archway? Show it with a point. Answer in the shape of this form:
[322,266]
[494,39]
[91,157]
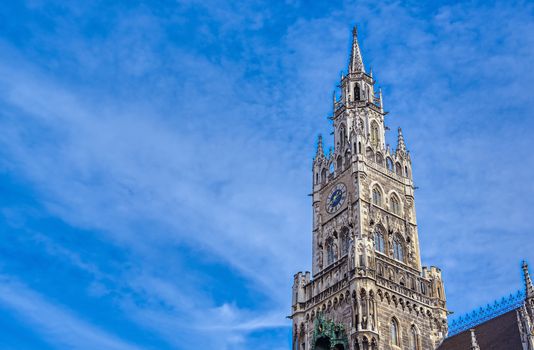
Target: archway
[322,343]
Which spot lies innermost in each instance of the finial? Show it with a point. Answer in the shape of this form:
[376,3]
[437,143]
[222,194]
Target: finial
[529,288]
[356,62]
[474,343]
[371,72]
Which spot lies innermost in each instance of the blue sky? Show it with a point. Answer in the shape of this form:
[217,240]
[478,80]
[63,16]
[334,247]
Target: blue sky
[155,158]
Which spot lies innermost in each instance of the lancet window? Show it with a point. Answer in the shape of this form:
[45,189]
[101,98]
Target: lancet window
[414,339]
[394,332]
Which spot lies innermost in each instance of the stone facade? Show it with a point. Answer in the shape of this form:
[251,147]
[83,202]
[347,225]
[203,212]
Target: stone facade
[367,289]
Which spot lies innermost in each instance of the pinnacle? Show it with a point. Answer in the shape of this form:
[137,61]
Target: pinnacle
[401,146]
[529,288]
[320,152]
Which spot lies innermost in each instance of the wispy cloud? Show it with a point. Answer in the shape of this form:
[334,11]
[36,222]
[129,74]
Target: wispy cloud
[57,325]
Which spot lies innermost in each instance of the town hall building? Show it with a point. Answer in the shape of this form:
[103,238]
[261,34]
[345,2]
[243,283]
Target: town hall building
[367,289]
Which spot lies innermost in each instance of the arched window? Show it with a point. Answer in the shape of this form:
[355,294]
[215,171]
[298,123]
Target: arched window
[345,241]
[423,288]
[359,148]
[323,175]
[377,196]
[330,254]
[395,205]
[412,283]
[347,159]
[379,241]
[339,164]
[389,164]
[398,169]
[394,331]
[356,92]
[380,269]
[380,159]
[375,139]
[414,339]
[370,154]
[406,173]
[398,249]
[342,136]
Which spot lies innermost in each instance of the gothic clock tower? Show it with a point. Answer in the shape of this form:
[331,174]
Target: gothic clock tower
[367,289]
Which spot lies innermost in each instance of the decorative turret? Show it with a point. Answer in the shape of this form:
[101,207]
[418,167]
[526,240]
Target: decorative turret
[474,343]
[356,62]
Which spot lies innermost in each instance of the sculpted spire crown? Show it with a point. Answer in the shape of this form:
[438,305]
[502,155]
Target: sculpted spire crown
[356,62]
[529,291]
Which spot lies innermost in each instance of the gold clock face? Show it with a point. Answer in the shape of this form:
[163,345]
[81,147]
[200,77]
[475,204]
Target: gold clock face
[336,198]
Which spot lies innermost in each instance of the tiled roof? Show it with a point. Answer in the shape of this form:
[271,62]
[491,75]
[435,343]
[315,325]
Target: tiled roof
[499,333]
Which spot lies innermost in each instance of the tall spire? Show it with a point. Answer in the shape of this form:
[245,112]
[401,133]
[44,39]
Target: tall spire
[529,288]
[401,146]
[356,62]
[474,343]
